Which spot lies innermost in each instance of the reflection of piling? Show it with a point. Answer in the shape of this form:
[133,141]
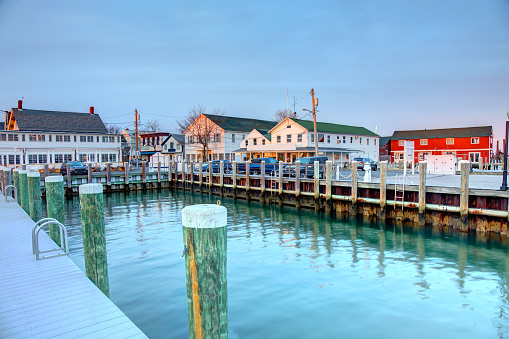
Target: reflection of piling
[34,195]
[23,191]
[204,234]
[55,204]
[94,239]
[465,173]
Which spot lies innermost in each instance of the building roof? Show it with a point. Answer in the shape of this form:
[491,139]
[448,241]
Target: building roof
[334,128]
[241,124]
[463,132]
[384,140]
[53,121]
[181,139]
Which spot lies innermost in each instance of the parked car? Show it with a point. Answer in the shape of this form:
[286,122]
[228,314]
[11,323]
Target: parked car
[271,166]
[136,162]
[306,162]
[227,166]
[363,161]
[76,167]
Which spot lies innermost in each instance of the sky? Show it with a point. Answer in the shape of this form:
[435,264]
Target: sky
[384,65]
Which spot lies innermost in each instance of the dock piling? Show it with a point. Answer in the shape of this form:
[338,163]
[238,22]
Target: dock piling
[465,173]
[422,192]
[89,173]
[55,204]
[34,195]
[383,189]
[328,186]
[94,239]
[353,195]
[204,236]
[23,191]
[316,177]
[15,179]
[297,184]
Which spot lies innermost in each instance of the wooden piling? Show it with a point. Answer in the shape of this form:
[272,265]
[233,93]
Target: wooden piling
[383,189]
[69,180]
[422,192]
[234,184]
[262,182]
[280,183]
[108,173]
[94,239]
[15,179]
[55,198]
[328,186]
[204,235]
[23,190]
[210,176]
[126,177]
[158,174]
[221,176]
[200,176]
[144,175]
[316,177]
[297,184]
[46,170]
[465,173]
[89,173]
[353,196]
[248,181]
[34,195]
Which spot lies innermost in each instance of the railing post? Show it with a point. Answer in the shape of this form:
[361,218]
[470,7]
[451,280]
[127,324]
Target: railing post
[89,173]
[316,178]
[353,196]
[328,186]
[383,189]
[204,235]
[34,195]
[55,204]
[15,179]
[94,238]
[23,192]
[465,173]
[422,192]
[297,184]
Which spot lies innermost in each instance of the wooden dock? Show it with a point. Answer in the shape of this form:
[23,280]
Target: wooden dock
[49,298]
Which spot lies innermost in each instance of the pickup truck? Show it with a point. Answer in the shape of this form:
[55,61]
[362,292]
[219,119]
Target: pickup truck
[271,166]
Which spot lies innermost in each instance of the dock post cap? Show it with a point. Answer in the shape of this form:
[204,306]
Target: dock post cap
[464,162]
[90,188]
[204,216]
[54,178]
[32,174]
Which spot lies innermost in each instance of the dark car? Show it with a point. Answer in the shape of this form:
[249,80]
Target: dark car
[306,163]
[271,166]
[227,166]
[363,161]
[76,167]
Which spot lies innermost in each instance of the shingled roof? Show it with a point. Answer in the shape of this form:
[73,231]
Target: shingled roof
[53,121]
[334,128]
[463,132]
[240,124]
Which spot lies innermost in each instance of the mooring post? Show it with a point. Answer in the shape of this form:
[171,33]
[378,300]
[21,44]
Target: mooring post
[383,189]
[24,167]
[46,170]
[34,195]
[144,175]
[15,179]
[465,173]
[422,192]
[297,184]
[69,180]
[23,192]
[353,207]
[89,173]
[248,180]
[191,172]
[316,178]
[328,186]
[108,173]
[221,176]
[204,235]
[94,239]
[158,174]
[170,173]
[481,165]
[55,204]
[280,183]
[210,176]
[126,178]
[200,176]
[234,185]
[262,182]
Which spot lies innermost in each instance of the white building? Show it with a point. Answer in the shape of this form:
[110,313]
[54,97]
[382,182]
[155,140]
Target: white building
[174,147]
[294,138]
[51,137]
[221,134]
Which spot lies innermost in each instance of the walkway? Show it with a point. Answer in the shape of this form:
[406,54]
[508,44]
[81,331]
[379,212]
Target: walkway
[49,298]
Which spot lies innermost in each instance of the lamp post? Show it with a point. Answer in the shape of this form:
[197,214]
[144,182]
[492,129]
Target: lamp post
[506,142]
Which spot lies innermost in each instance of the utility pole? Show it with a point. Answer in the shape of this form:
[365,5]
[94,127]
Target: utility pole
[315,103]
[136,117]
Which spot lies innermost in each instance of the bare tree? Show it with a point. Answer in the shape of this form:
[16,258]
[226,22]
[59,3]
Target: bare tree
[153,126]
[282,114]
[201,129]
[113,129]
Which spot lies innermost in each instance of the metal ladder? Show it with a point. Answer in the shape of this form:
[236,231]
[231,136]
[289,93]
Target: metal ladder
[399,191]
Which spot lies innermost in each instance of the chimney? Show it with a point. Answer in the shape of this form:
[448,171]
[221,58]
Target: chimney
[20,104]
[91,109]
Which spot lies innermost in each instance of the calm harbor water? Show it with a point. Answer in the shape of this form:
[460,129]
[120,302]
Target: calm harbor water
[301,275]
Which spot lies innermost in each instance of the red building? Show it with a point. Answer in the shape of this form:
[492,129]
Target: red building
[468,143]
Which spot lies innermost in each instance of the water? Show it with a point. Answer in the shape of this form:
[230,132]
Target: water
[302,275]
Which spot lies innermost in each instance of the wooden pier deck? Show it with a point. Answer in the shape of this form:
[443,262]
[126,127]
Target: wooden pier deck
[49,298]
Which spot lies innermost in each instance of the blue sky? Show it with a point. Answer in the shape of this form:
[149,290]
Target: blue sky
[392,64]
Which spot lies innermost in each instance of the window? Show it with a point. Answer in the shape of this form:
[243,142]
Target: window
[263,141]
[11,159]
[32,137]
[75,138]
[113,157]
[374,140]
[278,139]
[32,158]
[112,139]
[247,142]
[288,138]
[449,141]
[105,139]
[424,142]
[312,137]
[12,137]
[233,138]
[337,140]
[22,137]
[328,139]
[49,137]
[90,138]
[344,139]
[41,138]
[83,157]
[172,145]
[97,139]
[43,158]
[104,157]
[321,137]
[217,137]
[67,138]
[401,143]
[91,157]
[474,140]
[367,141]
[59,158]
[299,137]
[351,140]
[474,156]
[83,138]
[360,140]
[255,141]
[59,138]
[118,139]
[178,146]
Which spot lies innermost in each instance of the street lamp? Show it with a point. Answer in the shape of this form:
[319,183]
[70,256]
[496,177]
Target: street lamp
[506,142]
